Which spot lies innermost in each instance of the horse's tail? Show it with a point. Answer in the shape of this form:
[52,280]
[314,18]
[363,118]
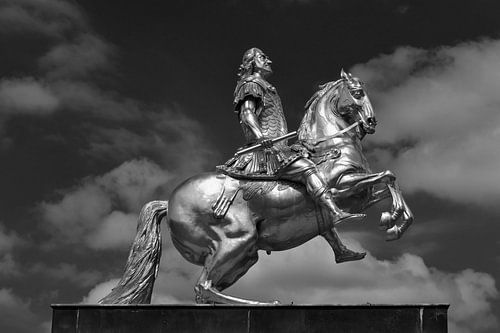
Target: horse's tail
[136,284]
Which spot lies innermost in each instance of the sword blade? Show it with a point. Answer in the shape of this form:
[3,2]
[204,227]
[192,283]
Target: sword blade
[259,145]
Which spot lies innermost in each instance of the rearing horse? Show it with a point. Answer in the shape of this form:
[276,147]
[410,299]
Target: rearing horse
[221,223]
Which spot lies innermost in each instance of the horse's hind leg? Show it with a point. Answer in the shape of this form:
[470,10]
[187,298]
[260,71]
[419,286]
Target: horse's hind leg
[232,256]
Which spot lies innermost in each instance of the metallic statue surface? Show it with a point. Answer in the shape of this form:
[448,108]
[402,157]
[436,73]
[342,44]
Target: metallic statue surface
[220,222]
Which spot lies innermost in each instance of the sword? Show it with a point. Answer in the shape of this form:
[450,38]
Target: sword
[259,145]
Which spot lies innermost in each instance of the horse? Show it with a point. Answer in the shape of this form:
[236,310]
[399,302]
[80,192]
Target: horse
[220,223]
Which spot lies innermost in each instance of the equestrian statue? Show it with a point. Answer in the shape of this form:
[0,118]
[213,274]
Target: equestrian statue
[269,196]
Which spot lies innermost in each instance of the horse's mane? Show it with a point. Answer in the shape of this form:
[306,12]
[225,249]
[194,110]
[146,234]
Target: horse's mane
[311,104]
[322,89]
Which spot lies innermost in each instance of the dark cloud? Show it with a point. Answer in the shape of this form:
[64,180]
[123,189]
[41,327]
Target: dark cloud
[78,58]
[50,17]
[26,95]
[8,241]
[66,272]
[17,315]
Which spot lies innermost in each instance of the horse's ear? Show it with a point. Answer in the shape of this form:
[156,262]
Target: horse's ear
[344,75]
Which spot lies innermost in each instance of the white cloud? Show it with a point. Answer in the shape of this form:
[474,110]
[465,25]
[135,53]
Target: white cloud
[99,291]
[444,103]
[26,95]
[309,275]
[115,231]
[78,211]
[88,212]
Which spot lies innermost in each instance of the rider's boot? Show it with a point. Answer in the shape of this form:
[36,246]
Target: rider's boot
[326,200]
[324,197]
[342,253]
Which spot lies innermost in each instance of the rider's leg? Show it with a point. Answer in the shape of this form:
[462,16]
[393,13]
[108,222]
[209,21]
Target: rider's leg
[304,171]
[342,253]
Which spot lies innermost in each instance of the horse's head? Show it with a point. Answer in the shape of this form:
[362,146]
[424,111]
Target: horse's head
[334,107]
[354,103]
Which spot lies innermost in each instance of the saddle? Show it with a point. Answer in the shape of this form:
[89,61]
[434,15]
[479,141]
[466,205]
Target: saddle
[251,188]
[254,188]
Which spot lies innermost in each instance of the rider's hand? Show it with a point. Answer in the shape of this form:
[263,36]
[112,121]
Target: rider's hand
[266,143]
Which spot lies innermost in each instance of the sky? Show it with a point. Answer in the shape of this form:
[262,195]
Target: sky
[106,106]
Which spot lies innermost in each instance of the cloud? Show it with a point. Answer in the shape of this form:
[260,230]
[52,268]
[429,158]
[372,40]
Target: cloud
[89,212]
[75,54]
[16,314]
[26,95]
[309,275]
[115,231]
[49,17]
[77,59]
[439,121]
[99,291]
[168,136]
[8,240]
[8,267]
[68,273]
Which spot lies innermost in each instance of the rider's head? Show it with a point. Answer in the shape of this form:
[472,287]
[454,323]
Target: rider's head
[254,60]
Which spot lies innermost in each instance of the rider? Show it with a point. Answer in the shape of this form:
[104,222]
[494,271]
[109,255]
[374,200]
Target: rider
[261,116]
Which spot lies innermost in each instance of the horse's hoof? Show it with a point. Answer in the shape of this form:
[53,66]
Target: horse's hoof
[386,221]
[393,233]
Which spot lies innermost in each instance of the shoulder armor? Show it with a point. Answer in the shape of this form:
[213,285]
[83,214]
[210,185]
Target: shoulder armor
[249,86]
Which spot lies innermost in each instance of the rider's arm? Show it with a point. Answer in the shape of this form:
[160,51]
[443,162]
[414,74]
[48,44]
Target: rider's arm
[248,117]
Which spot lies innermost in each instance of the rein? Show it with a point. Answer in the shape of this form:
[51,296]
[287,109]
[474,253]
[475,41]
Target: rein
[339,133]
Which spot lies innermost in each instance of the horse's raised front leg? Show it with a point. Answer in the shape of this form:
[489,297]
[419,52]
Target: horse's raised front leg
[376,197]
[396,231]
[354,182]
[232,256]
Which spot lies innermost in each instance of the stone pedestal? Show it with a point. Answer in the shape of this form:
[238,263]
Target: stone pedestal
[249,319]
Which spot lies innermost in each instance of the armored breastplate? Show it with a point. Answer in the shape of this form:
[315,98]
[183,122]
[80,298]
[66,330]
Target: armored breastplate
[269,112]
